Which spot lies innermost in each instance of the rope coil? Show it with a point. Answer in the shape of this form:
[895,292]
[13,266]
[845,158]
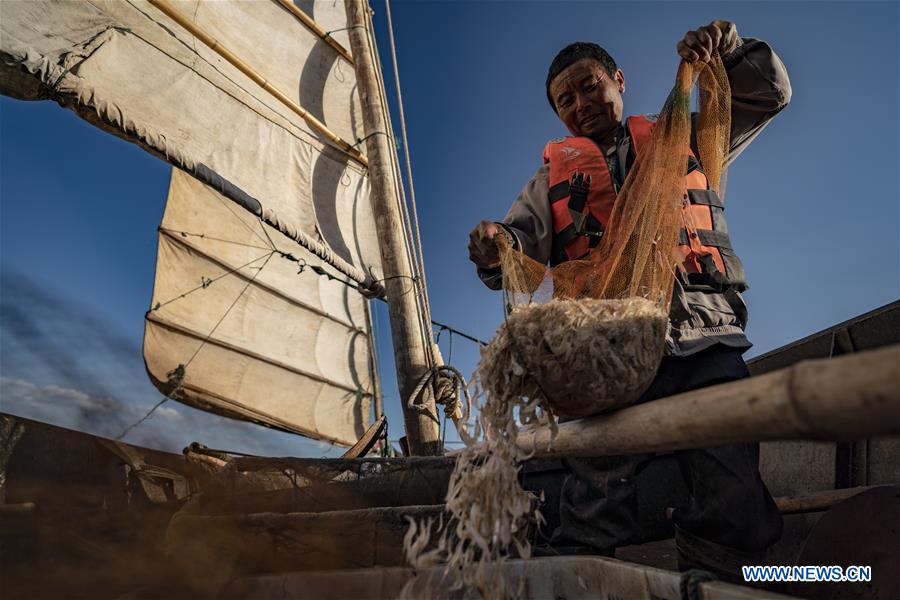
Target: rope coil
[446,382]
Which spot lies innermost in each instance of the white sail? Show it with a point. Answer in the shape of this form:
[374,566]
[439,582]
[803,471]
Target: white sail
[292,350]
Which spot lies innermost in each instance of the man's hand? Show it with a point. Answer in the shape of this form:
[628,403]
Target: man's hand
[701,44]
[482,247]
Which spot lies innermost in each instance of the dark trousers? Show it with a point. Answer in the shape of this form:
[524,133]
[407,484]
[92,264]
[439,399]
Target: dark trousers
[729,503]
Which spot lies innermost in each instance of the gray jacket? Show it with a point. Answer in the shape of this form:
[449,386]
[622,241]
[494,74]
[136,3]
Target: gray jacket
[698,319]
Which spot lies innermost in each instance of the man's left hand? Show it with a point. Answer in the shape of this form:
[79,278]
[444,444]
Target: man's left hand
[701,44]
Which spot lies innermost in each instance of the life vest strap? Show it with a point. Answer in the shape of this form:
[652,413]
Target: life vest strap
[558,192]
[706,198]
[707,237]
[719,239]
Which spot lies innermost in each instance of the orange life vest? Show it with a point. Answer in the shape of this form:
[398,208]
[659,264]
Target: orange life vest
[704,253]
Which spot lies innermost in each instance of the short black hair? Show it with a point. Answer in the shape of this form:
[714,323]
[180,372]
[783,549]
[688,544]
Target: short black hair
[572,54]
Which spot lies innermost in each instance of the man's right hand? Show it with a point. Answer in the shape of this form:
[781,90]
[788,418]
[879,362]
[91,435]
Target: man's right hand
[482,247]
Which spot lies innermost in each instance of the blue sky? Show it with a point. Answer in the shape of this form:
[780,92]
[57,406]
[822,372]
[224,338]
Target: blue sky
[812,203]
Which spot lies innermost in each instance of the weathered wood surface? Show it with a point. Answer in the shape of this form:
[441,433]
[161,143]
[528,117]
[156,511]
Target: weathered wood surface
[81,521]
[852,397]
[817,501]
[369,438]
[215,550]
[257,485]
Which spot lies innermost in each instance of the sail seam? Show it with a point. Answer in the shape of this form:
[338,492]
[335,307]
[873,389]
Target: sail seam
[307,136]
[173,13]
[259,417]
[174,156]
[315,28]
[155,318]
[179,240]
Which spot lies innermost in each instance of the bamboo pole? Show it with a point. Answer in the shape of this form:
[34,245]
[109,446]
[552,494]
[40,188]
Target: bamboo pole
[851,397]
[173,13]
[316,29]
[818,501]
[408,335]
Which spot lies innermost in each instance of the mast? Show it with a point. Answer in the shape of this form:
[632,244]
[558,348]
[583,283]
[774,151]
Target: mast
[412,341]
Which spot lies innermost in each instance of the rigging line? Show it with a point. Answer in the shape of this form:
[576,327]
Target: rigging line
[207,282]
[305,137]
[227,205]
[450,348]
[449,362]
[219,322]
[262,225]
[395,168]
[317,29]
[209,237]
[181,369]
[328,33]
[417,264]
[167,8]
[149,413]
[412,189]
[444,327]
[377,399]
[316,268]
[374,133]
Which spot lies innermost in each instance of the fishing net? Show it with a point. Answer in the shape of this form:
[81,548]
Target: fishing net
[581,337]
[590,332]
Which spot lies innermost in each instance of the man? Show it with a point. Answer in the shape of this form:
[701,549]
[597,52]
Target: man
[731,517]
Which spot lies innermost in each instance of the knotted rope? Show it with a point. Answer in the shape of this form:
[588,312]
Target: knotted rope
[446,382]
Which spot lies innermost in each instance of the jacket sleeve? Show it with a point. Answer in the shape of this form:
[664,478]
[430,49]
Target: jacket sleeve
[530,223]
[760,89]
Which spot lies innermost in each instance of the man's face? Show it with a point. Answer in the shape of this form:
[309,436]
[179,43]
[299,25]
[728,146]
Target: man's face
[588,100]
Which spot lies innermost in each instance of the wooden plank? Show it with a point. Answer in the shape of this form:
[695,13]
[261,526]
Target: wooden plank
[817,501]
[851,397]
[217,549]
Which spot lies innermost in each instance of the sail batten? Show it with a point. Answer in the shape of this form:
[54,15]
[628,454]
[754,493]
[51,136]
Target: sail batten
[166,7]
[237,272]
[325,36]
[258,339]
[227,346]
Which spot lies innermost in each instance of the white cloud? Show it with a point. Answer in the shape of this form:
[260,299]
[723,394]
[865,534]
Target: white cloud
[171,427]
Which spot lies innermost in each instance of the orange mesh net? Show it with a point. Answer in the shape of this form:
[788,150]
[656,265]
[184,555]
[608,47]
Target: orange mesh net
[584,336]
[587,335]
[635,258]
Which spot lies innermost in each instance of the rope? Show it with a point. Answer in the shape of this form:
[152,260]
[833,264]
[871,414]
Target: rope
[689,583]
[177,375]
[449,362]
[319,270]
[374,133]
[417,264]
[203,236]
[412,190]
[443,327]
[328,33]
[446,381]
[205,282]
[229,206]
